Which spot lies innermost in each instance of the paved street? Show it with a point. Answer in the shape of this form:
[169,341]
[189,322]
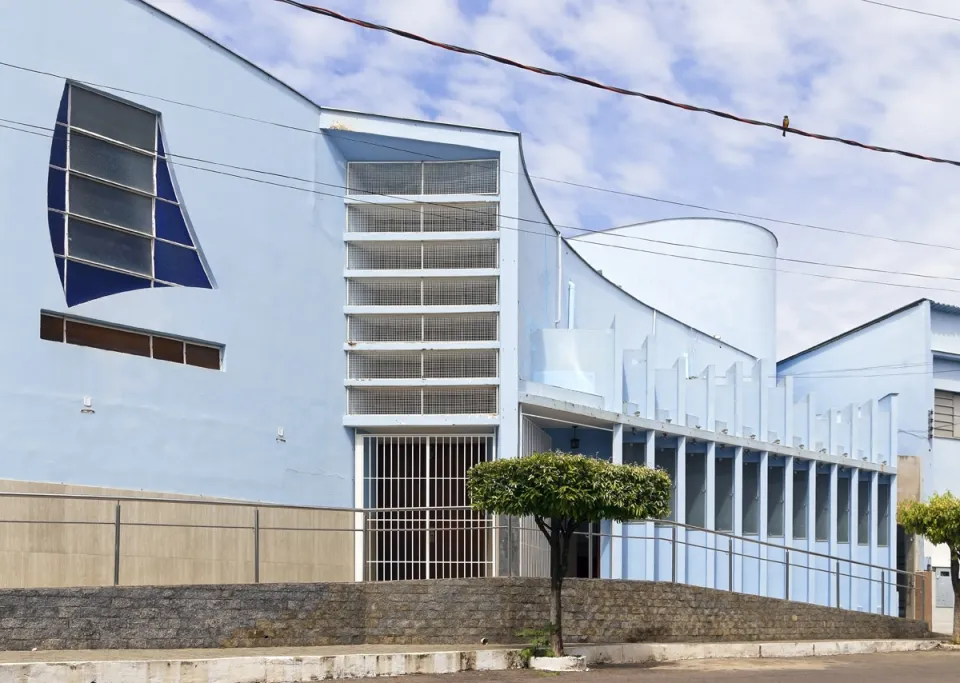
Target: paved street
[930,667]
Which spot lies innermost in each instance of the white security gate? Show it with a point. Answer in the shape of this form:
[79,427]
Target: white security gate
[417,525]
[534,548]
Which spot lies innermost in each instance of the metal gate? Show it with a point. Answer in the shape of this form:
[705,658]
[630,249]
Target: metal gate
[417,525]
[534,548]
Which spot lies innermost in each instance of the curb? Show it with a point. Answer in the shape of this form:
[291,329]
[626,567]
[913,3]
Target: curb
[262,669]
[639,653]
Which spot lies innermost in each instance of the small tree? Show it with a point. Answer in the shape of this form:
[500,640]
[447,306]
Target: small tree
[938,520]
[561,492]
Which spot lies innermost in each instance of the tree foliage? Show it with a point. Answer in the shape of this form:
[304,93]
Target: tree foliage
[569,487]
[938,520]
[562,492]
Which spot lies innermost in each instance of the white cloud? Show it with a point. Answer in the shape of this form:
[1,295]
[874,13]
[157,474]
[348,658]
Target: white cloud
[837,67]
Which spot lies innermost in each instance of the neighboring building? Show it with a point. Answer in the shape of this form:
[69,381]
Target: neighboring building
[215,287]
[914,352]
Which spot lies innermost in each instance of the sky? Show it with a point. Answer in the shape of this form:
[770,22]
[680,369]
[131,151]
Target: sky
[838,67]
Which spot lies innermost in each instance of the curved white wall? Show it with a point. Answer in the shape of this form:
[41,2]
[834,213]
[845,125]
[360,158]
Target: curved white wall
[735,302]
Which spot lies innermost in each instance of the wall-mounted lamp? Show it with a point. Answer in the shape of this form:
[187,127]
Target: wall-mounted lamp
[280,437]
[574,441]
[87,406]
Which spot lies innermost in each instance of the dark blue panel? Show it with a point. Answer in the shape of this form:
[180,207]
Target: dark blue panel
[164,183]
[62,112]
[58,147]
[160,142]
[55,221]
[86,283]
[60,268]
[170,223]
[179,265]
[57,189]
[160,284]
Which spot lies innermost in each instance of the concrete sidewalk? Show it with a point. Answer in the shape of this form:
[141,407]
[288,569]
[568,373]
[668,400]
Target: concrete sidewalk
[299,665]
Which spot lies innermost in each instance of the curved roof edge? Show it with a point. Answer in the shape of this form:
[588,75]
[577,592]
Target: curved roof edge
[770,232]
[613,285]
[146,5]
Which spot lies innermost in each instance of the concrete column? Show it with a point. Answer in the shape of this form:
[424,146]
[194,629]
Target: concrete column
[711,517]
[649,407]
[710,423]
[834,473]
[854,439]
[680,552]
[788,518]
[874,431]
[615,540]
[892,601]
[811,530]
[762,527]
[833,431]
[764,370]
[874,604]
[855,570]
[787,438]
[738,517]
[649,530]
[809,439]
[735,376]
[681,407]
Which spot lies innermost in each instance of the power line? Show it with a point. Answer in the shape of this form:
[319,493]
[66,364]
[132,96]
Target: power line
[611,88]
[342,135]
[911,10]
[406,200]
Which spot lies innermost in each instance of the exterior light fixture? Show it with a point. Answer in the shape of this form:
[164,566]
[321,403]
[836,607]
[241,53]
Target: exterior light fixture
[87,408]
[280,437]
[574,441]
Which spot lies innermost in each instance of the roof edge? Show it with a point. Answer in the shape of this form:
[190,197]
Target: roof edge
[604,231]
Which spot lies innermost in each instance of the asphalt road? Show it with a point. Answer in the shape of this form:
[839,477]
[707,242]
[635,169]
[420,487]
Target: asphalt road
[929,667]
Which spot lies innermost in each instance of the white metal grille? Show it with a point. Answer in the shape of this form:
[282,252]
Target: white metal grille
[460,401]
[384,365]
[385,401]
[467,327]
[385,328]
[460,292]
[453,364]
[385,178]
[461,177]
[477,217]
[473,254]
[460,364]
[383,292]
[534,547]
[432,177]
[455,328]
[410,484]
[385,256]
[384,218]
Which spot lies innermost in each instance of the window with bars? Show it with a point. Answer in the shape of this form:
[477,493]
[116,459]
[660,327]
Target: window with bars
[423,178]
[58,328]
[946,414]
[422,255]
[413,217]
[422,401]
[425,292]
[115,219]
[467,327]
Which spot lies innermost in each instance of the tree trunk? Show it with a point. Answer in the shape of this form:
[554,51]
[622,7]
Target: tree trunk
[557,570]
[955,582]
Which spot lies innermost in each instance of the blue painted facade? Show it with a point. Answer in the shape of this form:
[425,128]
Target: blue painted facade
[357,289]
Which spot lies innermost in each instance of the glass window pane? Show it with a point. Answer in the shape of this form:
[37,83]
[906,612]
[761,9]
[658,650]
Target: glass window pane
[723,502]
[751,498]
[110,205]
[823,507]
[110,162]
[168,349]
[883,516]
[109,247]
[83,334]
[51,327]
[112,119]
[775,496]
[696,489]
[800,503]
[203,356]
[863,512]
[843,510]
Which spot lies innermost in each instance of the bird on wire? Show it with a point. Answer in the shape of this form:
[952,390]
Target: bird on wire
[786,124]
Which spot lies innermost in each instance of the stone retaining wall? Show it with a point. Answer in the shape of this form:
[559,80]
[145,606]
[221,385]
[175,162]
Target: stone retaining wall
[415,612]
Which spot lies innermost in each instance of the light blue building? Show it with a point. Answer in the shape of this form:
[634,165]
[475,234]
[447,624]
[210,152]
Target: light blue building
[214,286]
